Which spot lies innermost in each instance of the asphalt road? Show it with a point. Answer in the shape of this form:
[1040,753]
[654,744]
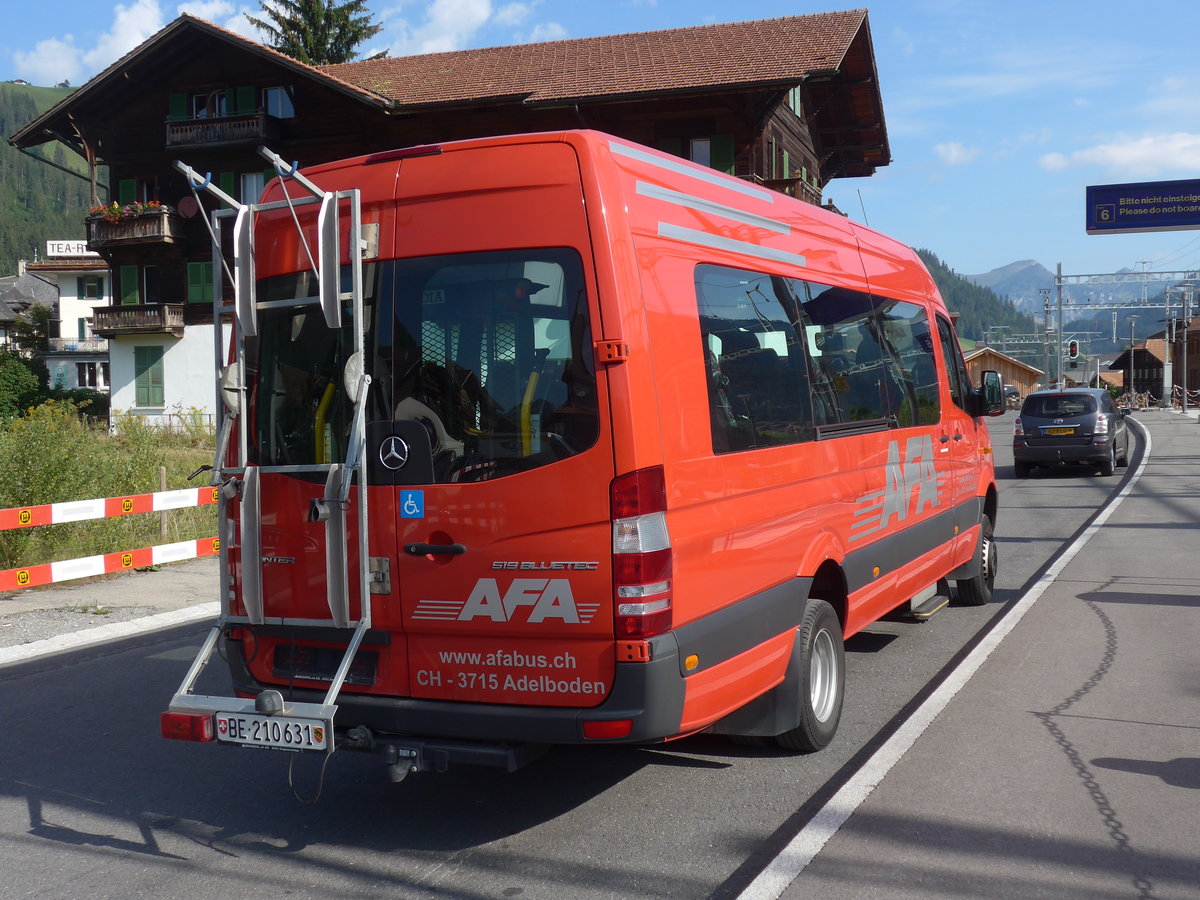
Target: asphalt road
[93,804]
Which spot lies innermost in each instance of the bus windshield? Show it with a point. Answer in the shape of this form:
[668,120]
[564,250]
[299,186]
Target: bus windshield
[491,352]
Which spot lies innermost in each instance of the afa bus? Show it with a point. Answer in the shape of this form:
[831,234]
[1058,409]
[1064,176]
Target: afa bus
[555,439]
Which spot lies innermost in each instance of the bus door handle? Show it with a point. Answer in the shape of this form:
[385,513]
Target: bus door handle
[944,438]
[423,549]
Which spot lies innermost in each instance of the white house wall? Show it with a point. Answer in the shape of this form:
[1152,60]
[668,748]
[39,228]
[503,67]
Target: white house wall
[189,375]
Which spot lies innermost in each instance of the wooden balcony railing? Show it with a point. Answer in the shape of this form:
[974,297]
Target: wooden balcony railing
[149,318]
[159,227]
[225,130]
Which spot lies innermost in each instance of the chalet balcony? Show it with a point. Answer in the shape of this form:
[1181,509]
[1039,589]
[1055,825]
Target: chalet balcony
[158,226]
[78,345]
[150,318]
[246,129]
[793,187]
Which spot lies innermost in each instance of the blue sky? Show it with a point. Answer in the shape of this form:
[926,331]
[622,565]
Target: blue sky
[998,113]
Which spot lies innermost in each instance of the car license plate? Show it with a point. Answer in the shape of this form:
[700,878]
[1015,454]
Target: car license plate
[1059,431]
[277,732]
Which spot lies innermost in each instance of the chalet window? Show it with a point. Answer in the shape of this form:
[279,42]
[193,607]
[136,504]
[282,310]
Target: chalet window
[251,186]
[243,100]
[200,282]
[133,190]
[128,280]
[715,151]
[277,102]
[794,102]
[148,376]
[89,287]
[207,105]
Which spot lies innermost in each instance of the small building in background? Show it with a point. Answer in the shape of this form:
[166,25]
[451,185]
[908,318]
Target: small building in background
[76,356]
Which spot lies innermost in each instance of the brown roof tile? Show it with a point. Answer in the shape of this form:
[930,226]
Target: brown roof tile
[766,51]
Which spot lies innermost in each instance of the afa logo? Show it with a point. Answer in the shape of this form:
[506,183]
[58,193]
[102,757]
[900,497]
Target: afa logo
[25,516]
[528,600]
[911,485]
[127,505]
[126,560]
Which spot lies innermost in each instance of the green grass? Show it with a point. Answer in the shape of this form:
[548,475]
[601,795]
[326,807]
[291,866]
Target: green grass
[53,456]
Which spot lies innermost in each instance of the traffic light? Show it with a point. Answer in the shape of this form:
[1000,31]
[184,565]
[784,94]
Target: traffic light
[1072,349]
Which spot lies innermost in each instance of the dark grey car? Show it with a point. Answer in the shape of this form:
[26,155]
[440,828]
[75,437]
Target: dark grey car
[1074,426]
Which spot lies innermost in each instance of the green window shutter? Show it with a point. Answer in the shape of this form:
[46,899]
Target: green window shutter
[79,287]
[674,146]
[177,107]
[148,375]
[199,288]
[247,100]
[227,181]
[722,153]
[100,288]
[126,190]
[129,285]
[787,164]
[82,329]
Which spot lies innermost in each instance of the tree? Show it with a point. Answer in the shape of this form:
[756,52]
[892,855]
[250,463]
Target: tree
[31,330]
[316,32]
[19,387]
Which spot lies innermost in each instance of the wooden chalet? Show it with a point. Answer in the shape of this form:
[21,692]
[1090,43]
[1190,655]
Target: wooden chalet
[789,103]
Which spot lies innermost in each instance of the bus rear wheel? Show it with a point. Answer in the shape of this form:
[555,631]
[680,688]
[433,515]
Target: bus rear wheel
[822,679]
[977,591]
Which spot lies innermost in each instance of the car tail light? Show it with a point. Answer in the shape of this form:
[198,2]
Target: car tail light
[1101,426]
[641,554]
[1018,431]
[177,726]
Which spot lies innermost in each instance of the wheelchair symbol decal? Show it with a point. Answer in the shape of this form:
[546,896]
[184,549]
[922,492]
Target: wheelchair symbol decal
[412,504]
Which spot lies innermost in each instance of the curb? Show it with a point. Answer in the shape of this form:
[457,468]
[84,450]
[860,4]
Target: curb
[102,634]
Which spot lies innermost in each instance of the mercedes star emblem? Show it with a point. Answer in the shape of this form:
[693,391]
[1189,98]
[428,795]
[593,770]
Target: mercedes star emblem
[393,452]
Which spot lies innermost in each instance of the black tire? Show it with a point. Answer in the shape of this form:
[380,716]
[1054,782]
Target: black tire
[1021,469]
[1108,465]
[977,591]
[1123,459]
[822,679]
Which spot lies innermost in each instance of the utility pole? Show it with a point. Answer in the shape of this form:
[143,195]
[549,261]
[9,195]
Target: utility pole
[1058,284]
[1045,292]
[1129,384]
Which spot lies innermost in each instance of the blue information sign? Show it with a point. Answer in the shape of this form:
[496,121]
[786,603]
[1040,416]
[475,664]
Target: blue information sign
[1148,206]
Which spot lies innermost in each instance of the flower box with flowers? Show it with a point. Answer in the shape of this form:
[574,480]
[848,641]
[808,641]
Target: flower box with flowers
[138,221]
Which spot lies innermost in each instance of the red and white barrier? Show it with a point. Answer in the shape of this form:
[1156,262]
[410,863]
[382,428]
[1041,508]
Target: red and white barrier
[104,508]
[107,563]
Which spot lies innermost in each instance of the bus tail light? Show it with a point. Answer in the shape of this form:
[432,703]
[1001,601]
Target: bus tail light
[641,554]
[607,729]
[178,726]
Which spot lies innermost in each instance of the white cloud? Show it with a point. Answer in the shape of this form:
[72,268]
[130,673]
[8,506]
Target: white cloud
[448,25]
[546,31]
[227,15]
[457,24]
[513,14]
[131,25]
[51,61]
[955,154]
[1149,156]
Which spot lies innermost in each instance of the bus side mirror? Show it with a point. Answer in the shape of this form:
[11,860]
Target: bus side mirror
[989,396]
